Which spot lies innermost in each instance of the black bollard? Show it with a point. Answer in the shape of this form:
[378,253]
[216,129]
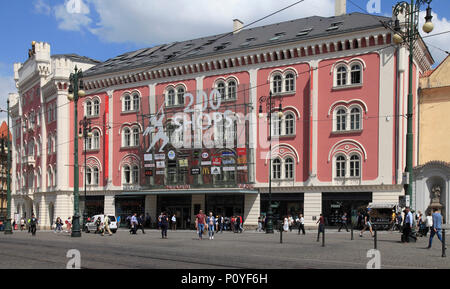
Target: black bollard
[352,230]
[323,236]
[375,239]
[443,243]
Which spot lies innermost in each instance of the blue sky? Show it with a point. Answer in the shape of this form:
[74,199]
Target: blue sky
[107,28]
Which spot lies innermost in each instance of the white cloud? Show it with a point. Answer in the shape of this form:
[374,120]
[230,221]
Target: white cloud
[442,41]
[42,7]
[158,21]
[72,18]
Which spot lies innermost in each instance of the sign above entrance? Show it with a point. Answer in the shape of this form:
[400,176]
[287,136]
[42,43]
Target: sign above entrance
[160,156]
[171,155]
[148,157]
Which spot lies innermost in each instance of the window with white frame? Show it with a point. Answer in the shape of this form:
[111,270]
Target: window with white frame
[341,119]
[277,83]
[348,74]
[231,90]
[126,175]
[92,176]
[355,118]
[347,119]
[289,123]
[135,175]
[130,175]
[276,169]
[227,89]
[93,142]
[88,108]
[126,103]
[96,107]
[283,82]
[126,137]
[348,167]
[355,74]
[289,168]
[170,98]
[340,166]
[276,124]
[136,102]
[135,136]
[220,86]
[355,166]
[175,95]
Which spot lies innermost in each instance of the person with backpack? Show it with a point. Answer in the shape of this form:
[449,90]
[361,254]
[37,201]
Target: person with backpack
[106,223]
[211,221]
[133,224]
[141,223]
[33,223]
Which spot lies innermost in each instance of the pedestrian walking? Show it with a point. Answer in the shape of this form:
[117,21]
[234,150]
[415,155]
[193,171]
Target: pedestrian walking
[259,229]
[301,224]
[141,223]
[33,224]
[118,221]
[133,224]
[200,223]
[174,223]
[291,223]
[22,224]
[428,223]
[285,224]
[106,223]
[69,225]
[210,220]
[407,225]
[221,223]
[321,228]
[359,222]
[99,226]
[437,227]
[367,223]
[164,225]
[241,224]
[344,220]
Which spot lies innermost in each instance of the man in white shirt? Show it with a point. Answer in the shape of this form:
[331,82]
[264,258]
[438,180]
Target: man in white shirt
[174,223]
[301,224]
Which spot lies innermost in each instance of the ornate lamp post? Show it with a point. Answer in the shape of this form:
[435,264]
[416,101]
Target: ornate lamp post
[85,132]
[8,228]
[407,37]
[269,107]
[75,92]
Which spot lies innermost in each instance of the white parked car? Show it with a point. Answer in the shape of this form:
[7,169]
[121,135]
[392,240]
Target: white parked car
[91,225]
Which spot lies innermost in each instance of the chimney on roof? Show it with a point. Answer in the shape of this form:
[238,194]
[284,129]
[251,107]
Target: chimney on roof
[340,7]
[237,25]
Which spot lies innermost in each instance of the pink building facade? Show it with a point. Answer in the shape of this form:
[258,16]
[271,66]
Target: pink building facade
[338,142]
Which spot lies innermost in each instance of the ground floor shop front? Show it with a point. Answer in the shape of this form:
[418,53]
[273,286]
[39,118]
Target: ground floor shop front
[185,205]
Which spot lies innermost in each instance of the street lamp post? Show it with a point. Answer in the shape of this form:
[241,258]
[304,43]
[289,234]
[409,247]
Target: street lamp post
[269,108]
[75,92]
[85,132]
[8,228]
[408,37]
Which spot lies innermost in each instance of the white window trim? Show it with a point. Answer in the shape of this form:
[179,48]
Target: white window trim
[283,82]
[348,80]
[347,166]
[348,118]
[283,169]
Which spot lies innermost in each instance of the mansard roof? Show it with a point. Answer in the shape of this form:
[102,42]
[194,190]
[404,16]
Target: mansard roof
[77,58]
[251,38]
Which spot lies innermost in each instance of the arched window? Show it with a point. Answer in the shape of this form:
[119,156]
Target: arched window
[341,76]
[355,166]
[135,176]
[88,176]
[95,140]
[88,108]
[356,74]
[180,96]
[135,136]
[126,175]
[277,83]
[126,137]
[341,119]
[136,102]
[96,176]
[289,82]
[96,107]
[289,124]
[340,167]
[355,119]
[221,89]
[231,90]
[276,169]
[276,124]
[127,103]
[170,97]
[289,168]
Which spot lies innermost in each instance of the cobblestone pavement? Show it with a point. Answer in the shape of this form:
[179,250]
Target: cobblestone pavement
[249,250]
